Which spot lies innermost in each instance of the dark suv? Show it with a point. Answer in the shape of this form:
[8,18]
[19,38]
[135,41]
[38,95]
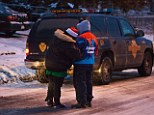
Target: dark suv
[121,46]
[12,21]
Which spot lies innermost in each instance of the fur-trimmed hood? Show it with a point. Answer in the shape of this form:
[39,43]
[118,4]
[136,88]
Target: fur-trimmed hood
[61,35]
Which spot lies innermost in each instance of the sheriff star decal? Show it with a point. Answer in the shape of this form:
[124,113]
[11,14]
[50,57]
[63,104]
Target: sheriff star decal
[42,46]
[134,48]
[101,42]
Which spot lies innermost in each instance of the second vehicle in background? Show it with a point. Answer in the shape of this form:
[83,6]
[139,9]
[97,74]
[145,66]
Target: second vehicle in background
[12,21]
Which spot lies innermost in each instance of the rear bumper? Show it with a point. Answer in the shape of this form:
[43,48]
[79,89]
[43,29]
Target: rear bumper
[18,26]
[15,26]
[34,64]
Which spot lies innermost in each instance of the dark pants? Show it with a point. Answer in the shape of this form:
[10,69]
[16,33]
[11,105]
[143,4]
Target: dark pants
[54,88]
[82,81]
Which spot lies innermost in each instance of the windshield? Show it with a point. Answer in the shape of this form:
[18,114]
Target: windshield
[48,26]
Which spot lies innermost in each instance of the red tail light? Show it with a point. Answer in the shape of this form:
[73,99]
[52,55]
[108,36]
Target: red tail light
[12,18]
[27,49]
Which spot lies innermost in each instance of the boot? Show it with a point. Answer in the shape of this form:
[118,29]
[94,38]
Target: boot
[78,105]
[88,104]
[58,104]
[49,102]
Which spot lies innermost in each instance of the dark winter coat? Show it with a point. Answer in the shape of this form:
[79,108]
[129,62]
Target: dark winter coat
[62,52]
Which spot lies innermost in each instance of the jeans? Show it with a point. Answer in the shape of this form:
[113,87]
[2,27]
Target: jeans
[54,89]
[82,80]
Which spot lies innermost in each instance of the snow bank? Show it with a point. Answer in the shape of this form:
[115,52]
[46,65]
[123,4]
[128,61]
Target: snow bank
[12,55]
[8,75]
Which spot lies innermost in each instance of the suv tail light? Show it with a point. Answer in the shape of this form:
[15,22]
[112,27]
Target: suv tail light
[27,49]
[12,18]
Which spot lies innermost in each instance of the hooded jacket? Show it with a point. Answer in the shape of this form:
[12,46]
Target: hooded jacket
[87,42]
[62,52]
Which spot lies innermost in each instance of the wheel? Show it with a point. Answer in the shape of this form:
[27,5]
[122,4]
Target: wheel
[146,68]
[9,33]
[41,77]
[106,72]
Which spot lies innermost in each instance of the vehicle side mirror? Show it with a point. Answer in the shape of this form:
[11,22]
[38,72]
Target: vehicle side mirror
[139,33]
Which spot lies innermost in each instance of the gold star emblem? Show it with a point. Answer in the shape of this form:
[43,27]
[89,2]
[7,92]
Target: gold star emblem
[134,48]
[42,46]
[101,42]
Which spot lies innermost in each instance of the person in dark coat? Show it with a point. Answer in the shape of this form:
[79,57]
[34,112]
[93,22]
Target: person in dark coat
[82,78]
[59,57]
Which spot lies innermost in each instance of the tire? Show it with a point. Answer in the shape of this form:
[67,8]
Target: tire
[41,77]
[146,68]
[106,72]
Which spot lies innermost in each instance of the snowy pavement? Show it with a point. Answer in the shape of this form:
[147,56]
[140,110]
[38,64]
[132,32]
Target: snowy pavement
[129,95]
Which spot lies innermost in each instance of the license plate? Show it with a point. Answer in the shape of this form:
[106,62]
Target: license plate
[22,27]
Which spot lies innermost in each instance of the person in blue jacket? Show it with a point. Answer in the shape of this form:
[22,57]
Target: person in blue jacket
[82,78]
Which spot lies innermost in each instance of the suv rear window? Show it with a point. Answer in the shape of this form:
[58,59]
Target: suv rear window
[47,27]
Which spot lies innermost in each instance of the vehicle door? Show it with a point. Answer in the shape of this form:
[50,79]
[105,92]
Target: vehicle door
[109,36]
[133,47]
[117,43]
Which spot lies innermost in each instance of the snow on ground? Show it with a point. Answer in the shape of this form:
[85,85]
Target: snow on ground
[150,37]
[12,55]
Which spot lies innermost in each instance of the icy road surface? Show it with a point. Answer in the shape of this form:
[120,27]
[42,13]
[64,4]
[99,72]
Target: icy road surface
[128,94]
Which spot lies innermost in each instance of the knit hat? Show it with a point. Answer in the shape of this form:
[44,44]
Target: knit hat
[83,26]
[72,31]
